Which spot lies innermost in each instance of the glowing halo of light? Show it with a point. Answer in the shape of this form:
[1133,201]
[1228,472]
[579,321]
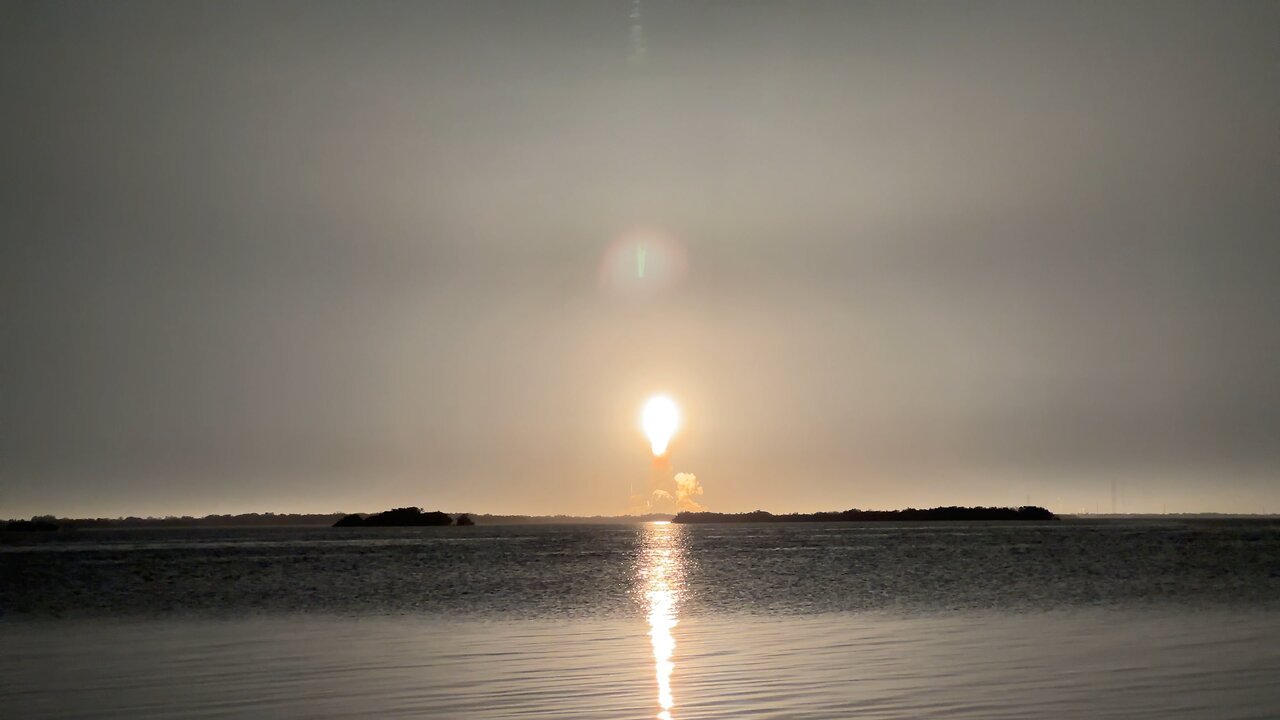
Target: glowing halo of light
[641,263]
[660,420]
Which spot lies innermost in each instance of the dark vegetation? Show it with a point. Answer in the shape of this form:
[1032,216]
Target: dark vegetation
[49,522]
[185,521]
[399,517]
[1029,512]
[567,519]
[402,517]
[35,524]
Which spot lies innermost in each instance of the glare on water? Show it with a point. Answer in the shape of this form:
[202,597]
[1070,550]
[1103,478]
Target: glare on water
[805,621]
[660,573]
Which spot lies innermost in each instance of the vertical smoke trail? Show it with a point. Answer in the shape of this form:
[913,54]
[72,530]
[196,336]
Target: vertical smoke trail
[638,50]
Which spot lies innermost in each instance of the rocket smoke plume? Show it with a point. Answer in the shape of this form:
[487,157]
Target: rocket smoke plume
[687,488]
[667,493]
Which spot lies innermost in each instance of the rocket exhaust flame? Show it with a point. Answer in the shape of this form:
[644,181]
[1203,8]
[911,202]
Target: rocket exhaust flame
[665,493]
[660,420]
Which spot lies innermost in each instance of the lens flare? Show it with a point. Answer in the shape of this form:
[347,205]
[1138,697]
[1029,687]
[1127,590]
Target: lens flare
[660,419]
[642,263]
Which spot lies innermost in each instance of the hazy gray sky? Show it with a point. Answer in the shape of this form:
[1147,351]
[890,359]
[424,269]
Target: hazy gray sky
[317,256]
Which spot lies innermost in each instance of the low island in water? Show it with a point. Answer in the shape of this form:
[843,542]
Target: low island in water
[403,517]
[1027,512]
[416,517]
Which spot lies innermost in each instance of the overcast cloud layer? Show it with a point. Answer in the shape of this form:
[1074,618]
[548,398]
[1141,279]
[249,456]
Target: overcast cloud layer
[315,256]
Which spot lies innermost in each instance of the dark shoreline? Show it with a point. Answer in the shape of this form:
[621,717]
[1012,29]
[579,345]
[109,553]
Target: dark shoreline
[50,523]
[953,513]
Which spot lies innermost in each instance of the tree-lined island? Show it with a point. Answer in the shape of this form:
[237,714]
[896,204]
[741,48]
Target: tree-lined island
[1026,512]
[417,517]
[404,517]
[413,517]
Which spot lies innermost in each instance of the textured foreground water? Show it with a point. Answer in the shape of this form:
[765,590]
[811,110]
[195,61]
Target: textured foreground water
[788,621]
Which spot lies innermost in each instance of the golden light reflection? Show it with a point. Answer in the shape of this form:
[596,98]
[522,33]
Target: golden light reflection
[660,573]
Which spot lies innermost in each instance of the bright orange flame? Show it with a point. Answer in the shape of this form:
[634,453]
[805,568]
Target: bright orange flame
[660,419]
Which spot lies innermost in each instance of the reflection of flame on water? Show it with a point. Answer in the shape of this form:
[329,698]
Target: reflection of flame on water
[660,570]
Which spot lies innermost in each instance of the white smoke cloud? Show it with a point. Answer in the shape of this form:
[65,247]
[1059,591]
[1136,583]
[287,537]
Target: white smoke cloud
[666,493]
[687,488]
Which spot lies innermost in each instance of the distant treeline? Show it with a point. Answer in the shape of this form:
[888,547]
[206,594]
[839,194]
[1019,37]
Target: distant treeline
[1028,512]
[403,517]
[567,519]
[407,517]
[174,521]
[50,522]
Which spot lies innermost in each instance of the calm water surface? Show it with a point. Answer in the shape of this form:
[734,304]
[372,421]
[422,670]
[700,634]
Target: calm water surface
[789,621]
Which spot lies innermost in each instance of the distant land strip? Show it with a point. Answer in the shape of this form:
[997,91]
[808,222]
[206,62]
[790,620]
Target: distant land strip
[52,523]
[269,519]
[1026,512]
